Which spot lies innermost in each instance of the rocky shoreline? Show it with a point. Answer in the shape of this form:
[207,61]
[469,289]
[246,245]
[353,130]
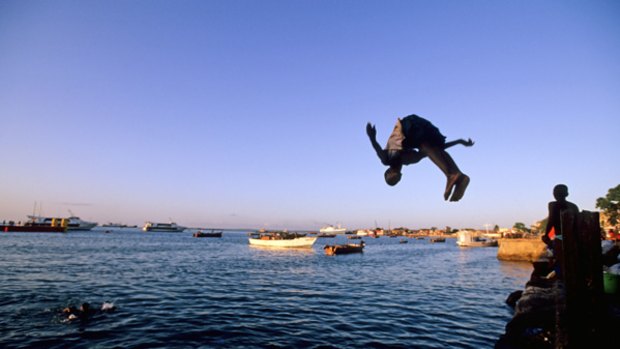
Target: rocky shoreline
[540,318]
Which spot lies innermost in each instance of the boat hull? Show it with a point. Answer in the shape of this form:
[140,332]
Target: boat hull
[332,250]
[208,235]
[477,244]
[32,229]
[300,242]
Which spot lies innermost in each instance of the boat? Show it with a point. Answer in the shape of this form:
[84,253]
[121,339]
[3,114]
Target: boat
[330,229]
[31,228]
[332,250]
[163,227]
[465,238]
[325,235]
[354,237]
[118,225]
[282,239]
[403,241]
[211,234]
[72,222]
[437,239]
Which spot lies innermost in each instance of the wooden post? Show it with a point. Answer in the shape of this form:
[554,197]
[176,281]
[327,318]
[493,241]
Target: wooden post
[583,278]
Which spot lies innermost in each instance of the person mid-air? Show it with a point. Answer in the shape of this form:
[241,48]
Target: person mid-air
[413,132]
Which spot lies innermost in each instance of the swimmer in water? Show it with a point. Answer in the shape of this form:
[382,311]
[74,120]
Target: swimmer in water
[85,311]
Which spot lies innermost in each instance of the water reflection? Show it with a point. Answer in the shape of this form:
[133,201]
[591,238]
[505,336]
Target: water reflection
[517,270]
[284,251]
[227,293]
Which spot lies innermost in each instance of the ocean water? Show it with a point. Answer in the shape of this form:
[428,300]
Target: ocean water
[175,291]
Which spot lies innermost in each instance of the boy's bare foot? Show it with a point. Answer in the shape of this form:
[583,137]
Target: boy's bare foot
[452,179]
[461,185]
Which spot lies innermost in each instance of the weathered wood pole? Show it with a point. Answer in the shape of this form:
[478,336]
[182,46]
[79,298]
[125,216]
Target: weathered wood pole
[583,279]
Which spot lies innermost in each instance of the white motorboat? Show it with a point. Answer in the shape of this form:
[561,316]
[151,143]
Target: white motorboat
[466,238]
[72,223]
[282,239]
[163,227]
[330,229]
[363,232]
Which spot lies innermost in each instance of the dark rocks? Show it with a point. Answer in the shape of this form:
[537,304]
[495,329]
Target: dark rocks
[513,298]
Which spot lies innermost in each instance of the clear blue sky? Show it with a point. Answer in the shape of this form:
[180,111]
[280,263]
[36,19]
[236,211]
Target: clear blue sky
[253,113]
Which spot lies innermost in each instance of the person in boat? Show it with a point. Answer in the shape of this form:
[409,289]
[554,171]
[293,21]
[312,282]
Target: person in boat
[553,233]
[413,139]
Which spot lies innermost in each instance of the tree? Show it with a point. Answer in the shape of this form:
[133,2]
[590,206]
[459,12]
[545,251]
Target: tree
[610,205]
[520,227]
[496,228]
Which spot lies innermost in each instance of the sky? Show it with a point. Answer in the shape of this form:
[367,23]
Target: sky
[252,114]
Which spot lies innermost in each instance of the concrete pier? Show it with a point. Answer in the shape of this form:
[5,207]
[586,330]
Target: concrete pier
[528,250]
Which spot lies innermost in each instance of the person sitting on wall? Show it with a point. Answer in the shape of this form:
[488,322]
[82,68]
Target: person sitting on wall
[553,233]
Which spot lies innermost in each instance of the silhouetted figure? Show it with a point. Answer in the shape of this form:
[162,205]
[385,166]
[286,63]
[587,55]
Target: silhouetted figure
[553,233]
[85,311]
[414,132]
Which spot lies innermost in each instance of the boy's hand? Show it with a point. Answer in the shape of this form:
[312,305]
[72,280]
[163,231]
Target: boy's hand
[371,130]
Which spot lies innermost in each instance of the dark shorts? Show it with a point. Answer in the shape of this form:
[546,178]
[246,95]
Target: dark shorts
[418,130]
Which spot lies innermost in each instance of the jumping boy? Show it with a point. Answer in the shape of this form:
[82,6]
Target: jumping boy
[411,133]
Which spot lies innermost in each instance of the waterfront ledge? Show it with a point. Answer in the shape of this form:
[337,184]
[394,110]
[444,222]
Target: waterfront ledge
[527,250]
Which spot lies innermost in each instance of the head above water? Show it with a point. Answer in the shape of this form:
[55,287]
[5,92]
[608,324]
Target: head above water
[392,176]
[560,192]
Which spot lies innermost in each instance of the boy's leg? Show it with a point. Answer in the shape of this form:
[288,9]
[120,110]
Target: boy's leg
[446,164]
[461,184]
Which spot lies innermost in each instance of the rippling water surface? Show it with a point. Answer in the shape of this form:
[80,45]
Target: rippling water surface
[175,291]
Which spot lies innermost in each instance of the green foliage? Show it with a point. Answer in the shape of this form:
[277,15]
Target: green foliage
[520,227]
[496,228]
[543,225]
[610,205]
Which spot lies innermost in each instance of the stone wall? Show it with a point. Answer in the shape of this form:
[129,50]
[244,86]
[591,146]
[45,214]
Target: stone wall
[529,250]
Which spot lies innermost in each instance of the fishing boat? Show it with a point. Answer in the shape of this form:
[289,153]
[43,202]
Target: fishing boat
[465,238]
[211,234]
[332,250]
[163,227]
[281,239]
[330,229]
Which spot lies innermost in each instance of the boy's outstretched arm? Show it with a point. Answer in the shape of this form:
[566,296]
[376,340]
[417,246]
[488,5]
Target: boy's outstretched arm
[371,131]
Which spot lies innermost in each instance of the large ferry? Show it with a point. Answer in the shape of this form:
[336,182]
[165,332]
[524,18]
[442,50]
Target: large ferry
[72,223]
[330,229]
[165,227]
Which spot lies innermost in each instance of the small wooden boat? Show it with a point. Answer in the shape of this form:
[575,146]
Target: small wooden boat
[403,241]
[437,239]
[281,239]
[354,237]
[211,234]
[331,250]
